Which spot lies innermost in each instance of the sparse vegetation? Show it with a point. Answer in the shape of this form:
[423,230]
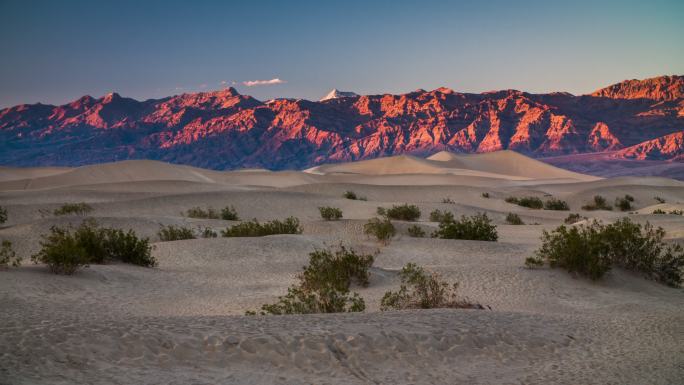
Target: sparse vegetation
[441,216]
[624,203]
[676,212]
[599,203]
[514,219]
[416,231]
[403,212]
[352,195]
[7,256]
[198,212]
[659,199]
[229,213]
[422,290]
[485,195]
[574,218]
[556,204]
[208,232]
[591,250]
[448,201]
[477,227]
[382,229]
[3,215]
[73,208]
[323,286]
[330,213]
[529,202]
[67,250]
[175,233]
[254,228]
[659,211]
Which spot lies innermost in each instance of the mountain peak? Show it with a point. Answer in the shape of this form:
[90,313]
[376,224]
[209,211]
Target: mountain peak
[659,88]
[110,97]
[336,94]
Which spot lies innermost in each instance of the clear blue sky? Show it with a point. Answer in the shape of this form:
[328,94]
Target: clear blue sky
[57,51]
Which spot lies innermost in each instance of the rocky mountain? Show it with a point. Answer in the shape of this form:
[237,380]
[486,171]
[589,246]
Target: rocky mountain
[336,94]
[223,129]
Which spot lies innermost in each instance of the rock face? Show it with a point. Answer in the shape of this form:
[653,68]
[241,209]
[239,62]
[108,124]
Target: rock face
[224,129]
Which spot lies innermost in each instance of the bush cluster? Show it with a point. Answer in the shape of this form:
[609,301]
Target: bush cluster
[659,199]
[416,231]
[323,286]
[208,232]
[441,216]
[530,202]
[254,228]
[66,250]
[599,203]
[352,195]
[477,227]
[448,201]
[3,215]
[382,229]
[175,233]
[485,195]
[659,211]
[330,213]
[514,219]
[7,255]
[422,290]
[229,213]
[624,203]
[198,212]
[556,204]
[73,208]
[591,250]
[403,212]
[573,218]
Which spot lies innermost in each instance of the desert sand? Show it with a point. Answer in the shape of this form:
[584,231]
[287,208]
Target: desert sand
[182,322]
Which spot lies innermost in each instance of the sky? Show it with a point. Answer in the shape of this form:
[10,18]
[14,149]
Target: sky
[56,51]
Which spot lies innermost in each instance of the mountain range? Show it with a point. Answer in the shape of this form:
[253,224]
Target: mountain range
[634,119]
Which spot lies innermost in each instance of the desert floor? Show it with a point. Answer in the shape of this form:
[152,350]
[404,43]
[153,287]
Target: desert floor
[182,322]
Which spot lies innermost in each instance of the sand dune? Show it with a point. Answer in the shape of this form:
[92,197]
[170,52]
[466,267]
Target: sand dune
[183,322]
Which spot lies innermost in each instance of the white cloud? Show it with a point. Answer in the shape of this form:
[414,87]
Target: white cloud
[252,83]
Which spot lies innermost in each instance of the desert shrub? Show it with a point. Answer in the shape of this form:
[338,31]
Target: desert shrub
[448,201]
[422,290]
[125,246]
[532,262]
[514,219]
[676,212]
[352,195]
[599,203]
[7,255]
[175,233]
[323,286]
[254,228]
[198,212]
[403,212]
[556,204]
[573,218]
[61,251]
[591,250]
[529,202]
[659,199]
[624,203]
[477,227]
[659,211]
[229,213]
[416,231]
[441,216]
[382,229]
[73,208]
[485,195]
[330,213]
[208,232]
[3,215]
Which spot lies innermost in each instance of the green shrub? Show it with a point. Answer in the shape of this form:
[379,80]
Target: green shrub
[591,250]
[352,195]
[556,204]
[599,203]
[382,229]
[659,211]
[416,231]
[477,227]
[62,252]
[514,219]
[7,256]
[125,246]
[208,232]
[448,201]
[323,286]
[255,229]
[485,195]
[441,216]
[3,215]
[403,212]
[330,213]
[659,199]
[532,262]
[228,213]
[198,212]
[174,233]
[422,290]
[625,203]
[529,202]
[574,218]
[73,208]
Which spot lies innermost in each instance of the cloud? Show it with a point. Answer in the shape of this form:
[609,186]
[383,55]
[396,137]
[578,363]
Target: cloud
[252,83]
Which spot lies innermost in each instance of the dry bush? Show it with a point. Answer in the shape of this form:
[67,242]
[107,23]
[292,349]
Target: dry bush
[598,203]
[73,208]
[403,212]
[175,233]
[514,219]
[382,229]
[416,231]
[254,228]
[477,227]
[529,202]
[7,256]
[556,204]
[330,213]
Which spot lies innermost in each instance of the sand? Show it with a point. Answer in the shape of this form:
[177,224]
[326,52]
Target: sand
[183,323]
